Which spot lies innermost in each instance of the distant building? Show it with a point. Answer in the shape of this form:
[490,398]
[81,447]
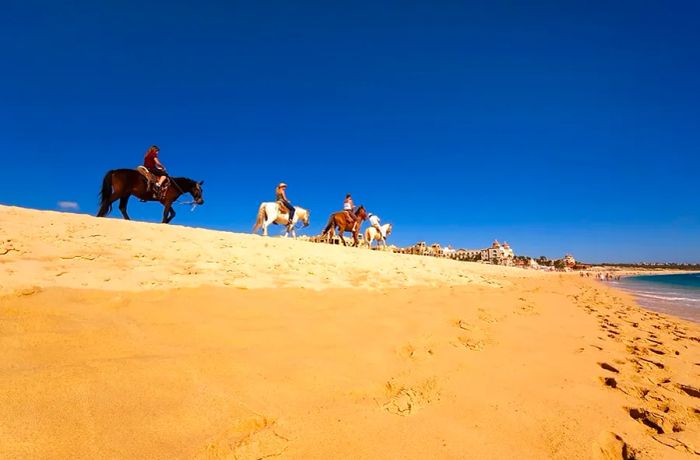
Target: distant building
[569,260]
[500,254]
[470,253]
[449,251]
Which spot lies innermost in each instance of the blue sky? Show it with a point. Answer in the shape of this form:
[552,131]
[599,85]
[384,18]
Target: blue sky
[558,126]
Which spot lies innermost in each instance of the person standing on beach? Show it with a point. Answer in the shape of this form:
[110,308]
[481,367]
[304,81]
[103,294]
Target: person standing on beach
[281,196]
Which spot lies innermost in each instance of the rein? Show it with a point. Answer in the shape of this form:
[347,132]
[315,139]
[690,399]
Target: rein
[182,192]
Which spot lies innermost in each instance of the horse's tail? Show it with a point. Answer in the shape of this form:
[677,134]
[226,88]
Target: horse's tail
[106,194]
[261,217]
[329,225]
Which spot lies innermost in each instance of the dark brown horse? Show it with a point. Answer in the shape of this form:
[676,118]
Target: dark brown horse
[120,184]
[339,221]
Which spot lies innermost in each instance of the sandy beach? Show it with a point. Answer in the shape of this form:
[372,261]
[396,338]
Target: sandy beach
[134,340]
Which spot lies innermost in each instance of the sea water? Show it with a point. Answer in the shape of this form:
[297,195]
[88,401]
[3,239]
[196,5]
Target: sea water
[677,294]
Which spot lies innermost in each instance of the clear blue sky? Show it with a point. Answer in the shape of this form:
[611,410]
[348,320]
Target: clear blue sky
[557,126]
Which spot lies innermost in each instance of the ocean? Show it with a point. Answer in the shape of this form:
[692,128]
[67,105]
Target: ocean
[677,294]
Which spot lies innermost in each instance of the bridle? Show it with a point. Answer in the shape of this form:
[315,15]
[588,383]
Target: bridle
[182,192]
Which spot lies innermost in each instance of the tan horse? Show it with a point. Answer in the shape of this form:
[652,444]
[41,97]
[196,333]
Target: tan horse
[271,213]
[372,234]
[339,221]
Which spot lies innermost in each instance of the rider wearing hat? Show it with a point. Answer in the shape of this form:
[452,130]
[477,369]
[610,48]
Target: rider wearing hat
[281,196]
[374,222]
[154,166]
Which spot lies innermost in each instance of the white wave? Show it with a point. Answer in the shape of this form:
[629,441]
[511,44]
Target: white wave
[661,297]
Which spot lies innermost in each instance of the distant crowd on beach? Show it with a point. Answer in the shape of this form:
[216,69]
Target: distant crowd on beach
[602,276]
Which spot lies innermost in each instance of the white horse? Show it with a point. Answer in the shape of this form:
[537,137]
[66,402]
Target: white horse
[372,234]
[270,213]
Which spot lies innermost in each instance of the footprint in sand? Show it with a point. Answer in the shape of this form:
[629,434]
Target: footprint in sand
[470,343]
[609,368]
[405,400]
[647,418]
[653,363]
[690,391]
[413,353]
[610,446]
[253,437]
[527,309]
[486,317]
[475,340]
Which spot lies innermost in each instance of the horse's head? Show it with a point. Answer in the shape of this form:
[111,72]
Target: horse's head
[388,229]
[196,191]
[306,217]
[361,213]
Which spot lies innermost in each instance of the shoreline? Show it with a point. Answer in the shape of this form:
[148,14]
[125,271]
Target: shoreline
[674,299]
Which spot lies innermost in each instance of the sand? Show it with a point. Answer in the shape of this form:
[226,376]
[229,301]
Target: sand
[132,340]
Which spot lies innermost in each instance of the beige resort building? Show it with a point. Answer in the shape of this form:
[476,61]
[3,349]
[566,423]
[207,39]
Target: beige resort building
[569,260]
[501,254]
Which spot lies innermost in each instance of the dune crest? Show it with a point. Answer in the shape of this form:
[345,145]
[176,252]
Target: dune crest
[52,249]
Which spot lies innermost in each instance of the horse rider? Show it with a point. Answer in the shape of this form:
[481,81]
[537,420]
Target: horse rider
[281,196]
[373,220]
[154,166]
[349,208]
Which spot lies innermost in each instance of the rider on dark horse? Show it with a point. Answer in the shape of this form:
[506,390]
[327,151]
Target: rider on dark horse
[281,196]
[155,167]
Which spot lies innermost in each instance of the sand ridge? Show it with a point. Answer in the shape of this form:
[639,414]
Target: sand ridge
[45,248]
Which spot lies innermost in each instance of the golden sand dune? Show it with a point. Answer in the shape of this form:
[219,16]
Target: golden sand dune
[131,340]
[68,250]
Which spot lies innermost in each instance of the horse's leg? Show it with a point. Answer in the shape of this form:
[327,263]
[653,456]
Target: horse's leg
[286,229]
[122,206]
[105,206]
[293,225]
[103,210]
[340,232]
[172,214]
[167,207]
[268,221]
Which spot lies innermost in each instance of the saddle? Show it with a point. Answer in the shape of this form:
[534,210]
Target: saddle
[151,183]
[283,209]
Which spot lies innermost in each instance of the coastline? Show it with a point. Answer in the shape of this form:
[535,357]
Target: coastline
[680,300]
[639,272]
[217,345]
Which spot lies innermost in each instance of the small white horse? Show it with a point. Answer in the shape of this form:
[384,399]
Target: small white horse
[269,213]
[372,234]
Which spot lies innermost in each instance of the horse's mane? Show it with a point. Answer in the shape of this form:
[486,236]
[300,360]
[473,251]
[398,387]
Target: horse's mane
[184,180]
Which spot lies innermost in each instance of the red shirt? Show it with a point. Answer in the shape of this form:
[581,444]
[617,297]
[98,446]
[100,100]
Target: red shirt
[149,160]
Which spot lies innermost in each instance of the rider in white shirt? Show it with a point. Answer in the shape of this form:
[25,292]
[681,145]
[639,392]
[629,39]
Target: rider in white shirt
[374,222]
